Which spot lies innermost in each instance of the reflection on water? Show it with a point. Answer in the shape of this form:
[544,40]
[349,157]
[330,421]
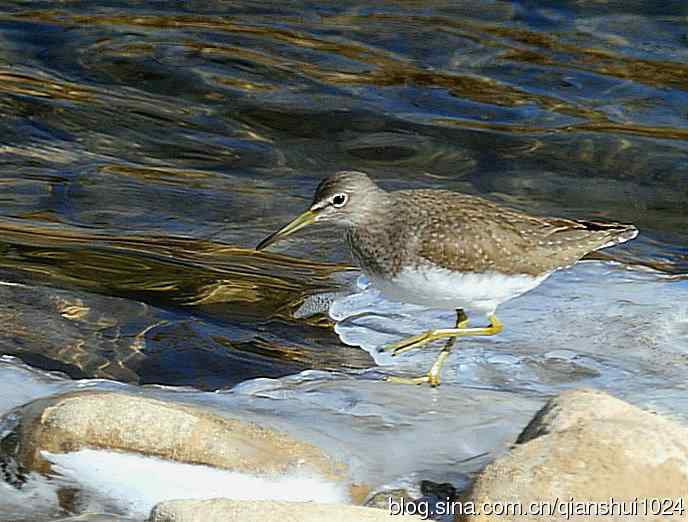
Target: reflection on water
[147,146]
[174,311]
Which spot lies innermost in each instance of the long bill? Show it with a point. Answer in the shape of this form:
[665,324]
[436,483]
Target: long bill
[303,220]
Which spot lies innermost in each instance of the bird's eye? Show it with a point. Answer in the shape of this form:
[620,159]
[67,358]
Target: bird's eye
[339,200]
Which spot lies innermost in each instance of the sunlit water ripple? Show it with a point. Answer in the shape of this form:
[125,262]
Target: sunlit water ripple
[145,148]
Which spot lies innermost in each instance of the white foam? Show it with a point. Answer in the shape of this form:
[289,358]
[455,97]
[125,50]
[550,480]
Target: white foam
[37,500]
[20,383]
[596,325]
[132,484]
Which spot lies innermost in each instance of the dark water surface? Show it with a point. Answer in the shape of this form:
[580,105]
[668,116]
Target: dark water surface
[145,148]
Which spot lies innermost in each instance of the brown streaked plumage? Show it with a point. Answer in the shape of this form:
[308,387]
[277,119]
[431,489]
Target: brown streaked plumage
[445,249]
[470,234]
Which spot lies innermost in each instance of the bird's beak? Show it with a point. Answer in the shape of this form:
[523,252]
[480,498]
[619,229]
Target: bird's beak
[303,220]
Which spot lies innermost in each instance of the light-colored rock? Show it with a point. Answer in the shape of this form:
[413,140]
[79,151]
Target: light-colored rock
[381,500]
[118,421]
[589,447]
[224,510]
[575,407]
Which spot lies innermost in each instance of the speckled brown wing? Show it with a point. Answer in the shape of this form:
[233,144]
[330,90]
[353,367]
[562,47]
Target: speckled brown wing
[470,234]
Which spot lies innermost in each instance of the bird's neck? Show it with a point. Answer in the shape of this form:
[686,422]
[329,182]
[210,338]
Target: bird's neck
[372,238]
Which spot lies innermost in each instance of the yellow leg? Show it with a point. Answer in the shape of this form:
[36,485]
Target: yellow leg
[433,376]
[419,340]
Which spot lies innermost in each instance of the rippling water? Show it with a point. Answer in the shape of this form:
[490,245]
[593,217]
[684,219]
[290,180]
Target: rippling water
[146,146]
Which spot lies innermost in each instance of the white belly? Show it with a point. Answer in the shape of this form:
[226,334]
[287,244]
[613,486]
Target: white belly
[437,287]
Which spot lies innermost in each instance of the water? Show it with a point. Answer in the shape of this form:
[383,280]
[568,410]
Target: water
[387,436]
[146,147]
[628,335]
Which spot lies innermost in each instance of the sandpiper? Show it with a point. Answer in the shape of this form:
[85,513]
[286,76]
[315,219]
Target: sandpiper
[448,250]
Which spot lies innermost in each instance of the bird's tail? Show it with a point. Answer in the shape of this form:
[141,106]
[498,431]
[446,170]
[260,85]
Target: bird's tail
[616,233]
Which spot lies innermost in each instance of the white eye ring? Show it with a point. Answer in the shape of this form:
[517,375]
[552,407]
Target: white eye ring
[339,200]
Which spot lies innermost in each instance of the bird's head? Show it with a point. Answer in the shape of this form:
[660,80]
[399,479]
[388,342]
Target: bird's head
[342,199]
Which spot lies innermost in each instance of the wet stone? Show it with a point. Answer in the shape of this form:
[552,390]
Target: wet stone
[125,422]
[382,499]
[590,447]
[221,510]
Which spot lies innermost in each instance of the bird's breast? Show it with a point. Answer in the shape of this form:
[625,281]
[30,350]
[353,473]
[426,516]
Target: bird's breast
[438,287]
[375,252]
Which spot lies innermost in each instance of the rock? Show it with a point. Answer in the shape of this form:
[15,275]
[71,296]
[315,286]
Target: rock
[224,510]
[434,495]
[118,421]
[359,493]
[575,407]
[444,490]
[382,499]
[86,517]
[589,447]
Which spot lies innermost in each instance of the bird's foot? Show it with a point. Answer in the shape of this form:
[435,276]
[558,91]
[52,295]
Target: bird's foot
[419,340]
[432,377]
[410,343]
[424,379]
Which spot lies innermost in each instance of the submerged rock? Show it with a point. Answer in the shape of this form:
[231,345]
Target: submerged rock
[76,421]
[223,510]
[383,499]
[96,517]
[588,447]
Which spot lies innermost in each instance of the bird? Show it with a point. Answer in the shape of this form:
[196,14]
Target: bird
[448,250]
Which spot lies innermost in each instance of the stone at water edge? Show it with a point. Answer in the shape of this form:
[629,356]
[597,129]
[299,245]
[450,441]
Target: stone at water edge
[575,407]
[382,499]
[168,430]
[590,446]
[224,510]
[96,517]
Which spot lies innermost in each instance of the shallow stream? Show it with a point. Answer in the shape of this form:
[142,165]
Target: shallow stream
[146,147]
